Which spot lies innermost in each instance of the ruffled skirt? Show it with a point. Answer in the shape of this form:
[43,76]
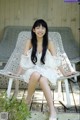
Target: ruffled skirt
[49,73]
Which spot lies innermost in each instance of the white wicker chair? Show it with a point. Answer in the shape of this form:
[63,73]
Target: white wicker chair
[14,61]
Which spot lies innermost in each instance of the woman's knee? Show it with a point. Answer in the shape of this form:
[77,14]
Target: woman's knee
[35,76]
[43,80]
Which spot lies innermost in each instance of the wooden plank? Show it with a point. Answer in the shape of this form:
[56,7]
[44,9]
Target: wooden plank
[35,9]
[12,14]
[50,12]
[1,14]
[25,12]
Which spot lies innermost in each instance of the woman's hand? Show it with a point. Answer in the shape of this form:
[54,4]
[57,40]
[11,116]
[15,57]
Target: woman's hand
[13,74]
[66,74]
[20,71]
[66,71]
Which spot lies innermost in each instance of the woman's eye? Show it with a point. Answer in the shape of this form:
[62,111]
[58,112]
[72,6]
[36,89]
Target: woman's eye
[37,27]
[43,28]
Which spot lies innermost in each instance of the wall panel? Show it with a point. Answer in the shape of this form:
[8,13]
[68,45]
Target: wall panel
[25,12]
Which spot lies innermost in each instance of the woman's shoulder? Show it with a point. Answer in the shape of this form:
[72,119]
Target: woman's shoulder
[28,43]
[51,47]
[50,43]
[28,46]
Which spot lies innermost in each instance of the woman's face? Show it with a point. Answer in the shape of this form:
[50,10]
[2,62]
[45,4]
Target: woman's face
[39,31]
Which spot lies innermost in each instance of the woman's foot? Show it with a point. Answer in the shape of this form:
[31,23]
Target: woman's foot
[28,101]
[52,118]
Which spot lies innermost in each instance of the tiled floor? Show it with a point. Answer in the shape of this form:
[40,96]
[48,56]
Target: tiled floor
[39,103]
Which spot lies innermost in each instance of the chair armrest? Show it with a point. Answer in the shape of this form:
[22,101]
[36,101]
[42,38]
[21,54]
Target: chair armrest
[62,78]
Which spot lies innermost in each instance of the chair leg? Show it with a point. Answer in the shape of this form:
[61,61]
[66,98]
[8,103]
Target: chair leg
[67,93]
[59,90]
[60,95]
[75,78]
[9,87]
[16,88]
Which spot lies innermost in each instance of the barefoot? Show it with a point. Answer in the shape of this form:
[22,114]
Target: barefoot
[51,118]
[28,101]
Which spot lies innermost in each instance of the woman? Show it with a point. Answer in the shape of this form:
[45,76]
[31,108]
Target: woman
[38,64]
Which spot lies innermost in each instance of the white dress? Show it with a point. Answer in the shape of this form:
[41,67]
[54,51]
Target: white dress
[48,70]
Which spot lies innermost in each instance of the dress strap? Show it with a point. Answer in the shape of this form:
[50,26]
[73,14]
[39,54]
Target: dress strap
[39,77]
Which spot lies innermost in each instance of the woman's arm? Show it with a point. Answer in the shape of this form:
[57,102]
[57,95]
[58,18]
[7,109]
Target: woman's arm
[19,71]
[64,69]
[51,48]
[27,47]
[66,72]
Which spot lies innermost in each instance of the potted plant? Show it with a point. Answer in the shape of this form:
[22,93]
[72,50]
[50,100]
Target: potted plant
[16,109]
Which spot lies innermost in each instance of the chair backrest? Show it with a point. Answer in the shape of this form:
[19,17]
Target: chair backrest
[8,42]
[23,36]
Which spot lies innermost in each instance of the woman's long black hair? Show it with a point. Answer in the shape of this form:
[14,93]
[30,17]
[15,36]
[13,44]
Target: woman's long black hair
[34,41]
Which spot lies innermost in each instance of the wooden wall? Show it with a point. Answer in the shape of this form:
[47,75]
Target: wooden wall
[25,12]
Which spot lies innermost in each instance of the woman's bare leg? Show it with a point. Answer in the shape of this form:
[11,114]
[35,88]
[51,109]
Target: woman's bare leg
[31,86]
[47,92]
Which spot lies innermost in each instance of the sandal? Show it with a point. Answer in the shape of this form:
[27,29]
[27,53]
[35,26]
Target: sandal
[52,118]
